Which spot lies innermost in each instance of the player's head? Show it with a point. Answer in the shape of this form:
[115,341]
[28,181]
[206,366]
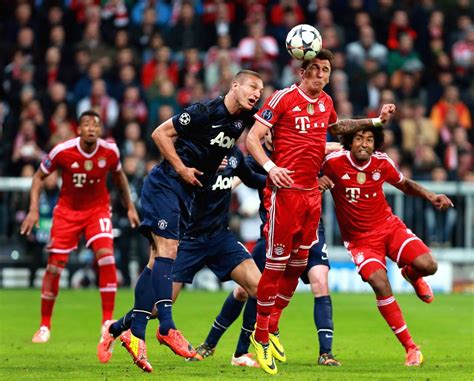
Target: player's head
[246,89]
[362,144]
[89,128]
[315,73]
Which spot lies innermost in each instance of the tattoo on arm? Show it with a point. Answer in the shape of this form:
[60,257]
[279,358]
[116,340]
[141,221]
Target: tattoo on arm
[348,126]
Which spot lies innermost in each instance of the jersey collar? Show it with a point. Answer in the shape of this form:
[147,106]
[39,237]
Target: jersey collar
[305,96]
[85,154]
[348,154]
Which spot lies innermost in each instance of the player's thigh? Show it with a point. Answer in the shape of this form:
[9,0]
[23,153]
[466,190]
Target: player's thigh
[285,209]
[367,258]
[228,255]
[258,253]
[404,246]
[99,230]
[308,234]
[190,259]
[66,229]
[165,206]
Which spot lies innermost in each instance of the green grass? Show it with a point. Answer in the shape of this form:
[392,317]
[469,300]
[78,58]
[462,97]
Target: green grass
[363,342]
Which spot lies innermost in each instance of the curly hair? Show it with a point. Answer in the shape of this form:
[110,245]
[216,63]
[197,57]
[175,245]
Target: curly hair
[346,140]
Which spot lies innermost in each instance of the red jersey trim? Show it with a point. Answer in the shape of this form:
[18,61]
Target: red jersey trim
[334,155]
[263,121]
[61,147]
[279,95]
[87,155]
[113,147]
[348,154]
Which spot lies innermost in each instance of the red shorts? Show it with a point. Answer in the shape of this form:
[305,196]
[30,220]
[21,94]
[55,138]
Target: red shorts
[292,223]
[393,240]
[68,224]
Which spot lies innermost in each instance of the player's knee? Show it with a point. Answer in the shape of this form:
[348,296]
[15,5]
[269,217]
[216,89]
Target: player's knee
[56,264]
[379,282]
[431,266]
[319,286]
[241,295]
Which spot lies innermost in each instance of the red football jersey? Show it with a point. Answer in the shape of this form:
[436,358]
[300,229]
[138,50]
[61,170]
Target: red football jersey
[83,175]
[358,195]
[299,131]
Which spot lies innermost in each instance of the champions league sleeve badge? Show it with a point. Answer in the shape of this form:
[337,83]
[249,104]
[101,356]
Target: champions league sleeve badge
[267,114]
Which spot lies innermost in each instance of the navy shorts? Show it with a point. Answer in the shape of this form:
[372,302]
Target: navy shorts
[166,204]
[222,253]
[318,254]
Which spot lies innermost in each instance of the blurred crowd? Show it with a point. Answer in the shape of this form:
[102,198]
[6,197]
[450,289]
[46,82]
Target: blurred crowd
[137,62]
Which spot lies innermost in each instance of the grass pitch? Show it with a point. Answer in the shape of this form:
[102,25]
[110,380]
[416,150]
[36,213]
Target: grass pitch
[363,342]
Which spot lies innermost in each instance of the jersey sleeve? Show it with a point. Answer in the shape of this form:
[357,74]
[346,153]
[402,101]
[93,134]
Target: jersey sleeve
[191,119]
[269,114]
[392,174]
[116,164]
[249,177]
[49,164]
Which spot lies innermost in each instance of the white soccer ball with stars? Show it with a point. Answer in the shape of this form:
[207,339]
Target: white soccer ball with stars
[304,42]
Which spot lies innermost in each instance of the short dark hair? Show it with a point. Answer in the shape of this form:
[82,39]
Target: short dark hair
[88,113]
[243,73]
[346,140]
[324,54]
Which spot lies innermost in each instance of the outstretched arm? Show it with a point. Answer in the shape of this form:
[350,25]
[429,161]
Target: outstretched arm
[120,180]
[164,136]
[32,217]
[279,176]
[412,188]
[348,126]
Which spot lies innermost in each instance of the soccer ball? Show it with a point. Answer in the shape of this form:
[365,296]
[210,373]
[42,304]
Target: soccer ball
[304,42]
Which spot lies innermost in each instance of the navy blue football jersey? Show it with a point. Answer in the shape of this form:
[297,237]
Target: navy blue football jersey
[210,208]
[206,133]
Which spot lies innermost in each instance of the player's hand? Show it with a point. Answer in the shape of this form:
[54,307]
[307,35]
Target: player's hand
[442,202]
[332,146]
[223,164]
[281,177]
[189,176]
[386,112]
[133,217]
[30,221]
[325,183]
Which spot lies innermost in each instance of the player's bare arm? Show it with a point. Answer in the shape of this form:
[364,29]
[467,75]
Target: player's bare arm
[164,136]
[32,217]
[279,176]
[412,188]
[348,126]
[120,180]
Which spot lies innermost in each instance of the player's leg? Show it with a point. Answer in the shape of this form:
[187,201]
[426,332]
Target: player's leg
[65,232]
[250,310]
[415,259]
[49,292]
[376,275]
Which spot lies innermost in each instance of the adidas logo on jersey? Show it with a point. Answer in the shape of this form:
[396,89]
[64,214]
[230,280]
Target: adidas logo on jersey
[345,177]
[75,165]
[297,108]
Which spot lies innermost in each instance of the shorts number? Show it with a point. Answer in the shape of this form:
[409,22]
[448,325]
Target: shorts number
[105,224]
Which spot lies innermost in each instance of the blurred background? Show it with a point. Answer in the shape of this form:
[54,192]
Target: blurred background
[138,62]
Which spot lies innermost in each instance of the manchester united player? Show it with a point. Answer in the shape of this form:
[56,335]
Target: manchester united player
[299,117]
[83,207]
[370,230]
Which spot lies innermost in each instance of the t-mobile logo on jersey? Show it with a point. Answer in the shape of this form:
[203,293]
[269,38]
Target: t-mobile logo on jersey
[79,179]
[353,194]
[302,124]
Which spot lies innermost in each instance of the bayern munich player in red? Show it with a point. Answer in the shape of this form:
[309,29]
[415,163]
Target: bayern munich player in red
[299,117]
[371,232]
[83,207]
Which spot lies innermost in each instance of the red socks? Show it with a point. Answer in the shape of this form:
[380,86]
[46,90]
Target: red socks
[107,285]
[392,314]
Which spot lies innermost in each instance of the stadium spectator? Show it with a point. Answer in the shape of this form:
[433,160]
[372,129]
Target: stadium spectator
[83,206]
[450,101]
[366,46]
